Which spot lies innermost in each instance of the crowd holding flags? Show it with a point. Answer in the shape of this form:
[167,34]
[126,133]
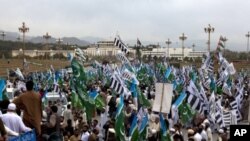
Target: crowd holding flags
[196,91]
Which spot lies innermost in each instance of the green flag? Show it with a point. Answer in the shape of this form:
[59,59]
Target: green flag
[185,112]
[99,103]
[119,122]
[142,99]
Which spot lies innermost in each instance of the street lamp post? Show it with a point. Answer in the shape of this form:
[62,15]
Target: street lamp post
[23,29]
[59,41]
[248,35]
[224,40]
[46,37]
[3,34]
[209,30]
[18,41]
[193,46]
[182,37]
[168,42]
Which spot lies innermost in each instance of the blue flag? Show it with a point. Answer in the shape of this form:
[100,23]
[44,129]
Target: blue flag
[167,73]
[133,126]
[180,99]
[163,126]
[2,88]
[143,124]
[93,94]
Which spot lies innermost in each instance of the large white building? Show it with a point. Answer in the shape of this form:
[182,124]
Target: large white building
[107,48]
[172,52]
[34,53]
[104,48]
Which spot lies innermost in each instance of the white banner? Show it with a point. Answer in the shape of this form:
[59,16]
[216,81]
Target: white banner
[163,97]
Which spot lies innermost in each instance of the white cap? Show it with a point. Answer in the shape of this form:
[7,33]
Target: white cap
[172,129]
[206,121]
[221,131]
[12,106]
[112,130]
[154,131]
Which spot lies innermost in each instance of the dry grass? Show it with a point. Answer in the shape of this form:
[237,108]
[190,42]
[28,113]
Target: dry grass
[18,63]
[57,64]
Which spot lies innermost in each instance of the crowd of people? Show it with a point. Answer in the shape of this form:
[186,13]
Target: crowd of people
[53,119]
[51,123]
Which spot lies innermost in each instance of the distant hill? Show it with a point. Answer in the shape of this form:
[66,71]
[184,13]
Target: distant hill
[92,40]
[12,36]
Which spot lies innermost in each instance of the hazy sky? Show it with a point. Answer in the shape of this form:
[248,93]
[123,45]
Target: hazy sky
[149,20]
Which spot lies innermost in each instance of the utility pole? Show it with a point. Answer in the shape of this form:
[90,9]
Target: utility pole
[209,30]
[23,29]
[168,42]
[46,37]
[248,35]
[224,40]
[3,34]
[59,41]
[182,37]
[193,47]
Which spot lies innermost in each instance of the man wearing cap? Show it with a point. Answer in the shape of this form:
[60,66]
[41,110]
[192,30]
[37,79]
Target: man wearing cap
[13,121]
[220,133]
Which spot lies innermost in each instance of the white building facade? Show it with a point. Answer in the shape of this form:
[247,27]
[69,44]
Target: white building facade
[104,48]
[173,52]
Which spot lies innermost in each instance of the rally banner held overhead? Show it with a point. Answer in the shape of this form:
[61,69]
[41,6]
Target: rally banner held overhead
[163,97]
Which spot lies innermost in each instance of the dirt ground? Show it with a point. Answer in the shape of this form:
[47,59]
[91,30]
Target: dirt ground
[35,65]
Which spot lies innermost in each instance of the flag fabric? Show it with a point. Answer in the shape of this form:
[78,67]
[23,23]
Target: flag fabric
[142,99]
[107,70]
[180,99]
[118,42]
[186,114]
[19,74]
[221,44]
[70,56]
[163,126]
[122,58]
[210,67]
[116,85]
[138,43]
[93,94]
[227,118]
[196,103]
[164,134]
[234,106]
[167,73]
[226,89]
[219,116]
[144,123]
[133,132]
[119,122]
[80,55]
[2,88]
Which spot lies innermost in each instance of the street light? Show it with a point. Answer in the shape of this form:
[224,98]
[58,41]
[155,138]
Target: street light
[59,41]
[3,34]
[209,30]
[193,46]
[23,29]
[248,35]
[224,40]
[168,42]
[46,37]
[182,37]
